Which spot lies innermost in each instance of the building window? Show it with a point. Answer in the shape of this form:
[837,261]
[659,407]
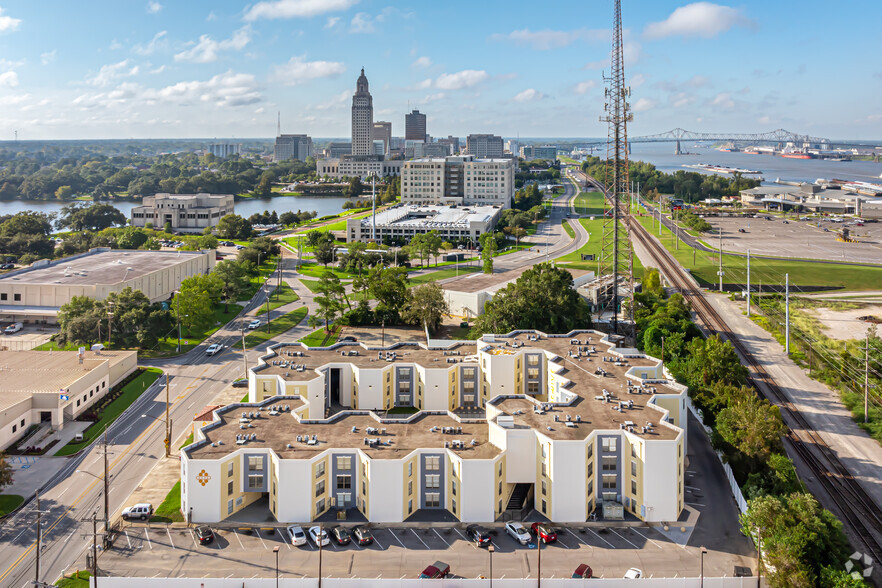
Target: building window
[3,296]
[320,506]
[320,469]
[453,487]
[544,507]
[500,469]
[633,450]
[16,297]
[409,469]
[453,506]
[255,482]
[544,488]
[590,469]
[14,428]
[344,462]
[433,481]
[608,444]
[634,487]
[229,469]
[230,488]
[590,489]
[433,462]
[344,482]
[22,423]
[633,468]
[344,499]
[533,360]
[590,450]
[433,500]
[533,373]
[608,464]
[409,506]
[229,507]
[255,463]
[410,488]
[609,481]
[532,387]
[320,488]
[544,471]
[544,452]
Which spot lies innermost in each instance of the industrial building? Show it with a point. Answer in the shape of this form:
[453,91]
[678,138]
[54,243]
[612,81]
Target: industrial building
[292,147]
[402,222]
[35,293]
[51,388]
[825,198]
[568,425]
[457,180]
[187,213]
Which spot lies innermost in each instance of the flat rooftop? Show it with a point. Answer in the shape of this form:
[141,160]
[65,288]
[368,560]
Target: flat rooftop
[99,268]
[438,216]
[278,431]
[480,282]
[24,373]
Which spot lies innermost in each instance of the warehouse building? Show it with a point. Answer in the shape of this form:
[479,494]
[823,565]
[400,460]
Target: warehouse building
[35,293]
[568,425]
[52,388]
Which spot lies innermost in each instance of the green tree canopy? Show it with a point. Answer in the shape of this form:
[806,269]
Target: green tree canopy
[234,279]
[233,226]
[82,216]
[426,307]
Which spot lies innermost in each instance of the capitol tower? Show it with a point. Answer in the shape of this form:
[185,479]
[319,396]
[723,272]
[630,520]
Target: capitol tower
[362,118]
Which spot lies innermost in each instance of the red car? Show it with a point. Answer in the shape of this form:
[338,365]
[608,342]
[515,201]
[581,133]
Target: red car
[546,532]
[583,571]
[439,569]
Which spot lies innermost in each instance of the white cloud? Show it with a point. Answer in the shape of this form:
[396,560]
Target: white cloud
[424,85]
[764,120]
[7,23]
[13,100]
[549,39]
[228,89]
[298,70]
[8,79]
[643,105]
[158,70]
[422,62]
[211,16]
[112,71]
[296,8]
[585,87]
[332,21]
[681,99]
[157,42]
[434,97]
[365,23]
[207,49]
[337,101]
[723,100]
[637,80]
[699,19]
[528,95]
[462,79]
[153,7]
[48,57]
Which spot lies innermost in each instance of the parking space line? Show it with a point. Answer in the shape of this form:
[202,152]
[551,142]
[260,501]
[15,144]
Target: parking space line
[441,538]
[464,538]
[149,543]
[647,538]
[170,540]
[127,539]
[196,543]
[379,544]
[418,538]
[392,532]
[257,531]
[559,540]
[601,538]
[236,533]
[623,537]
[577,537]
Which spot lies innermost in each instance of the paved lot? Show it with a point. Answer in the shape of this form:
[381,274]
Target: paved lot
[800,239]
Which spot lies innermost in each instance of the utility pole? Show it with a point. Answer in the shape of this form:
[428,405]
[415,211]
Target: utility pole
[39,539]
[109,324]
[95,546]
[374,206]
[178,307]
[748,282]
[106,492]
[244,355]
[167,430]
[539,567]
[720,272]
[787,313]
[867,380]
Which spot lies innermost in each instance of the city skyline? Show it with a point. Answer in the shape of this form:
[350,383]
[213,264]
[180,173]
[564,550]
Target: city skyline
[156,69]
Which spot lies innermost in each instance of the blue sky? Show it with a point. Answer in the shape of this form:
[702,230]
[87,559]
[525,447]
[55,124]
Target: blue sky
[188,68]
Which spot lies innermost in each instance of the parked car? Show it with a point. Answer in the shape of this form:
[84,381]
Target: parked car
[547,533]
[319,536]
[362,535]
[240,383]
[634,573]
[518,532]
[479,535]
[347,339]
[240,247]
[439,569]
[213,349]
[583,571]
[296,534]
[141,511]
[205,535]
[341,535]
[254,324]
[13,328]
[742,230]
[7,266]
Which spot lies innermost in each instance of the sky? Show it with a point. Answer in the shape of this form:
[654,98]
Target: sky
[106,69]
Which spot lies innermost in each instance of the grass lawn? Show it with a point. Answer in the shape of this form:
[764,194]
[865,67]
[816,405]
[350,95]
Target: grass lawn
[590,203]
[320,338]
[78,580]
[130,393]
[280,297]
[170,509]
[595,237]
[311,284]
[704,265]
[569,230]
[168,346]
[266,267]
[9,502]
[277,326]
[314,270]
[187,441]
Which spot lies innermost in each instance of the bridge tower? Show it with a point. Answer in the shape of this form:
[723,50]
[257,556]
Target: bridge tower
[616,262]
[677,150]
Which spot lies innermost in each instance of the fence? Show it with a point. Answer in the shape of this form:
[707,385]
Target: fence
[10,344]
[730,476]
[125,582]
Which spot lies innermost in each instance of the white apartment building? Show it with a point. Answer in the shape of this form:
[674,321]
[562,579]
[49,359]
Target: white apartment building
[568,425]
[185,212]
[457,180]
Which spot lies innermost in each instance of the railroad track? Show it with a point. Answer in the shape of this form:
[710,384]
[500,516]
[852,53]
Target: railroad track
[857,509]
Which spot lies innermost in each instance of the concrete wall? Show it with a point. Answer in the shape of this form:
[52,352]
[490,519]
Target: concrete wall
[662,503]
[568,480]
[476,497]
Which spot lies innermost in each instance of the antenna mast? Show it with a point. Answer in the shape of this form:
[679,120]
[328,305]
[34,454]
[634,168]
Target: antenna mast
[616,256]
[279,124]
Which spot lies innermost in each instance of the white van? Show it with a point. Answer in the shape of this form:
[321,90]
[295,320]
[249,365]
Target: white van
[13,328]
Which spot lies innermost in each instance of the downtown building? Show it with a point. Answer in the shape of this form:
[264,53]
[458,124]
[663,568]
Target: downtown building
[485,146]
[458,180]
[362,118]
[292,147]
[383,132]
[187,213]
[415,126]
[568,425]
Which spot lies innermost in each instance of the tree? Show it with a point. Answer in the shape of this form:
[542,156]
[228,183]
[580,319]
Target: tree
[234,279]
[324,253]
[798,538]
[5,471]
[233,226]
[80,216]
[287,218]
[315,237]
[78,320]
[354,189]
[64,192]
[432,244]
[518,233]
[264,186]
[488,250]
[330,294]
[194,303]
[752,425]
[542,298]
[167,227]
[426,307]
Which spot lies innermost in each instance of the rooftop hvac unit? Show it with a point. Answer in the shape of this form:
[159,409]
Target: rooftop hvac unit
[505,421]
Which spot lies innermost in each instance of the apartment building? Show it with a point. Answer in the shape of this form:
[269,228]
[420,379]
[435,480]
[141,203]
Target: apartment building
[569,425]
[458,179]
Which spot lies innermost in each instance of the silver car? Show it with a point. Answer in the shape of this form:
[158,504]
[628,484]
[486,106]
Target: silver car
[518,532]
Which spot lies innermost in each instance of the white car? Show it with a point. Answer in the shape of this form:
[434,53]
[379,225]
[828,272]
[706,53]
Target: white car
[213,349]
[634,573]
[13,328]
[518,532]
[141,511]
[298,537]
[254,324]
[314,533]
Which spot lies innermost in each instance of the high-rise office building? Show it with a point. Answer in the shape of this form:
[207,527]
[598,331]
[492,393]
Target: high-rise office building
[362,118]
[292,147]
[452,144]
[383,132]
[484,146]
[415,126]
[224,149]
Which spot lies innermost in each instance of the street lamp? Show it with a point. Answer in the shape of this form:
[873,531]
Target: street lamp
[276,551]
[703,551]
[106,479]
[167,429]
[320,542]
[490,550]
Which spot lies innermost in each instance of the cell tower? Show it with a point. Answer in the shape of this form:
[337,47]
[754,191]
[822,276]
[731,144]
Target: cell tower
[616,262]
